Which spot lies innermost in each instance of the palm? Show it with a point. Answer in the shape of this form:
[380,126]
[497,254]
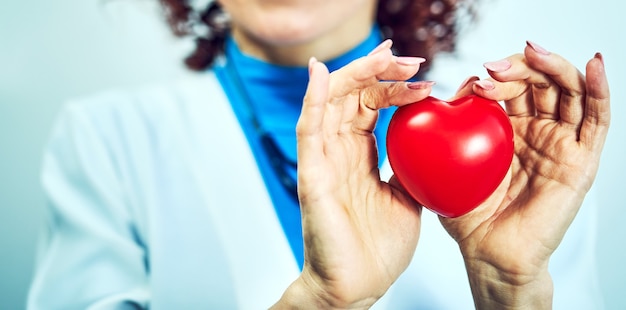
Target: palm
[557,150]
[360,232]
[362,221]
[527,216]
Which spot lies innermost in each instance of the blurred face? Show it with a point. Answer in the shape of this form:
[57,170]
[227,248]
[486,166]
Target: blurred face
[264,26]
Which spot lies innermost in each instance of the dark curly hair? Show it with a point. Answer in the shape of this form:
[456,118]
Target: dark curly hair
[417,27]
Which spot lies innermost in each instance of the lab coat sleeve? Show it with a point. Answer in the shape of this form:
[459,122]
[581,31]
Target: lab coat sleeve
[91,255]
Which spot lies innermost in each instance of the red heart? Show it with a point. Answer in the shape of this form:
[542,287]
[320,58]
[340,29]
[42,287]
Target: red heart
[450,156]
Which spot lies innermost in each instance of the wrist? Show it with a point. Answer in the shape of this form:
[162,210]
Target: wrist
[299,296]
[305,293]
[496,288]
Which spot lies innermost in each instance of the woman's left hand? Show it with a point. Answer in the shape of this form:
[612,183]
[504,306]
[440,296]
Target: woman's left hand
[560,118]
[359,231]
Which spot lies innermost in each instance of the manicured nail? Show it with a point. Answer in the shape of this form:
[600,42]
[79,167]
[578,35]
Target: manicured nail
[409,61]
[537,48]
[485,84]
[598,55]
[498,66]
[384,45]
[420,84]
[312,62]
[467,81]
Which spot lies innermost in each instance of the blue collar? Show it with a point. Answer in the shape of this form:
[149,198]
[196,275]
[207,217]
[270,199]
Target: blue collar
[271,95]
[278,90]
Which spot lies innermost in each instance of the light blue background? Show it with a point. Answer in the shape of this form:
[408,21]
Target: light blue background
[54,50]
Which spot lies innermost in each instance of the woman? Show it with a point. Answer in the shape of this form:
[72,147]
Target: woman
[182,196]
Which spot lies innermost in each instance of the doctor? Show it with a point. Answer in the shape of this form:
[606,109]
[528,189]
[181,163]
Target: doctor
[181,196]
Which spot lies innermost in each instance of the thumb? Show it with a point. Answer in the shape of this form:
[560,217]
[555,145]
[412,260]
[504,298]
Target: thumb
[465,88]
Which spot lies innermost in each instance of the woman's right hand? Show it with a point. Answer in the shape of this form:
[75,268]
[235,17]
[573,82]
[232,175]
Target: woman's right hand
[360,232]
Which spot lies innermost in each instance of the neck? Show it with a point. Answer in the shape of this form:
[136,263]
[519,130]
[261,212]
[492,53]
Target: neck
[328,45]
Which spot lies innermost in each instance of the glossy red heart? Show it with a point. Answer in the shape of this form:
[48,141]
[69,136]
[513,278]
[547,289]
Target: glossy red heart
[450,156]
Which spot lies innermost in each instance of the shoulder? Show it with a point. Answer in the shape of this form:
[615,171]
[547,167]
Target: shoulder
[151,102]
[146,120]
[148,111]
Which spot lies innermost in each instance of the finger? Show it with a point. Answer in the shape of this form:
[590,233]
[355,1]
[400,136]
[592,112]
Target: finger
[465,88]
[517,100]
[401,68]
[570,80]
[597,110]
[386,94]
[310,123]
[361,72]
[379,65]
[545,93]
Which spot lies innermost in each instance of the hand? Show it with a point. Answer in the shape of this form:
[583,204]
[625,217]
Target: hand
[561,119]
[359,232]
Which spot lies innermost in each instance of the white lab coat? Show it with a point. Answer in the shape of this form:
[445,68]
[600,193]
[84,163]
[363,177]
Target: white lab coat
[155,198]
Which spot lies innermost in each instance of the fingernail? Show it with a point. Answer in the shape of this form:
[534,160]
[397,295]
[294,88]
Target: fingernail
[599,56]
[409,61]
[485,84]
[420,84]
[384,45]
[498,66]
[537,48]
[312,62]
[467,81]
